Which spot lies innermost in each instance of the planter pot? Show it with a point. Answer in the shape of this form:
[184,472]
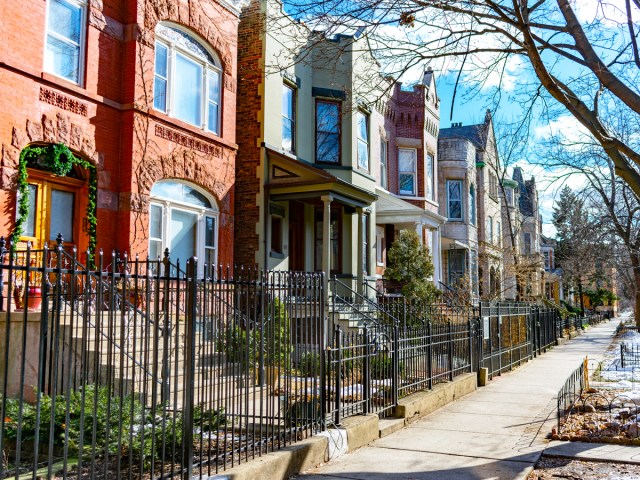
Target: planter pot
[18,297]
[34,297]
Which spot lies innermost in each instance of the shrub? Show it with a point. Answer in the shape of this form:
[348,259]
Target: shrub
[309,364]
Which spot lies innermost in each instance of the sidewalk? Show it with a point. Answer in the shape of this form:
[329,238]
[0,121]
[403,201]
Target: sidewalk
[497,432]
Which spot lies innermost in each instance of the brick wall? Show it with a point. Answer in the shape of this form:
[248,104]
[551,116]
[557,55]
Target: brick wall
[250,77]
[109,119]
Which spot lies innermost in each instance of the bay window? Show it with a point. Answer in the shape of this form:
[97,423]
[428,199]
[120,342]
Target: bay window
[407,162]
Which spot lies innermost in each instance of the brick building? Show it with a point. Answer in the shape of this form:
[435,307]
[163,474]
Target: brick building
[145,92]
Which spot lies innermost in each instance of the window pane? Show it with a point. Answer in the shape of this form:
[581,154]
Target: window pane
[155,221]
[188,90]
[455,210]
[161,60]
[327,147]
[65,19]
[454,190]
[406,184]
[406,160]
[155,249]
[61,215]
[209,232]
[362,127]
[213,123]
[327,117]
[287,102]
[30,224]
[287,134]
[160,94]
[429,174]
[62,58]
[183,236]
[363,155]
[213,119]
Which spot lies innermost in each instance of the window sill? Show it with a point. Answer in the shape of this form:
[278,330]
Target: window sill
[276,255]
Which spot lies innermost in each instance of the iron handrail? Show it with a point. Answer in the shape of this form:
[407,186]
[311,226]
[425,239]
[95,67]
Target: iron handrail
[355,306]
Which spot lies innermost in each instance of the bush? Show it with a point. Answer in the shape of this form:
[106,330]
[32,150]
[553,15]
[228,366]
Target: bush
[381,367]
[124,426]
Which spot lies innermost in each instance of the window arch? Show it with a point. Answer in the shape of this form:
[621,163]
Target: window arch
[188,76]
[184,219]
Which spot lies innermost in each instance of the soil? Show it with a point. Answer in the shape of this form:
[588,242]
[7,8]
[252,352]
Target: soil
[570,468]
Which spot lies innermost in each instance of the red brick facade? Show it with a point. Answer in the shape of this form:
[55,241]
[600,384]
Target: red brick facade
[109,118]
[250,74]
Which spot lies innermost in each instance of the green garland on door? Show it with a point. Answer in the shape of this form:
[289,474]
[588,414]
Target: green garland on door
[59,160]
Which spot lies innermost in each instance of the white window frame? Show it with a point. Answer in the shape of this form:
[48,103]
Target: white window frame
[168,205]
[82,4]
[473,211]
[449,200]
[384,162]
[414,173]
[430,177]
[208,71]
[363,141]
[287,87]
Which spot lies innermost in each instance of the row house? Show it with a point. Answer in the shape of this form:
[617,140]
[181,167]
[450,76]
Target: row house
[331,159]
[143,93]
[469,199]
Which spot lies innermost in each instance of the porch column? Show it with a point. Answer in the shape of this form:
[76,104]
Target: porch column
[361,252]
[326,239]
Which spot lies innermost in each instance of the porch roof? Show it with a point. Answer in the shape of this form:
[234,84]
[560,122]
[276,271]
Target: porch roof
[290,178]
[453,244]
[391,210]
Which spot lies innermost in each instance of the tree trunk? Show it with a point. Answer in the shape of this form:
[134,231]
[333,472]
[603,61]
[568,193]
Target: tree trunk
[635,263]
[581,297]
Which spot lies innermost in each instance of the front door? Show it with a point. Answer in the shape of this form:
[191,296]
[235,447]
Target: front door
[54,209]
[183,235]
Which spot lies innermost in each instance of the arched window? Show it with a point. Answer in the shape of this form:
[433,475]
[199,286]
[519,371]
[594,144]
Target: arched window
[183,219]
[187,83]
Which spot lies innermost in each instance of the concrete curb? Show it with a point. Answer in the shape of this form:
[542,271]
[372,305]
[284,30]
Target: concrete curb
[594,452]
[360,431]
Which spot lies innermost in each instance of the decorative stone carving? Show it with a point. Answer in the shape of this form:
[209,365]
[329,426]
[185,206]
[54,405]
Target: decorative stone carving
[34,131]
[135,202]
[188,141]
[75,140]
[48,130]
[8,179]
[88,147]
[63,128]
[18,138]
[230,83]
[9,156]
[63,101]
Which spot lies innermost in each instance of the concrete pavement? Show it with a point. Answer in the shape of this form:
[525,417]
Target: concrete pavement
[498,432]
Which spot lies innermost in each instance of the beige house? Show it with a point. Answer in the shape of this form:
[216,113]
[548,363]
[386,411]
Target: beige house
[472,248]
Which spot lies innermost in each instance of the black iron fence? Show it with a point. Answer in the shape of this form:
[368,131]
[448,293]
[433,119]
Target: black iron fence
[570,393]
[156,369]
[146,369]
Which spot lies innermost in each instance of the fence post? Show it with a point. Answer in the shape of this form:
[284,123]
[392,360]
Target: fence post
[190,365]
[338,392]
[395,381]
[450,339]
[3,244]
[469,326]
[430,354]
[366,383]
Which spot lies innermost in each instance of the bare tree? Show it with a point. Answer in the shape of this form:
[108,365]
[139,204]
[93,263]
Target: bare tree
[576,58]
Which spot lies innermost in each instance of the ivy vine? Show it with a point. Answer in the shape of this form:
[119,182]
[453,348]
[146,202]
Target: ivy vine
[59,160]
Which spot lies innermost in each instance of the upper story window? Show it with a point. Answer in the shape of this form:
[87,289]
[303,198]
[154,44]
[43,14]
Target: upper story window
[65,39]
[527,243]
[363,141]
[493,186]
[489,232]
[472,205]
[187,79]
[430,177]
[383,164]
[288,118]
[509,194]
[407,160]
[327,131]
[547,260]
[454,199]
[498,234]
